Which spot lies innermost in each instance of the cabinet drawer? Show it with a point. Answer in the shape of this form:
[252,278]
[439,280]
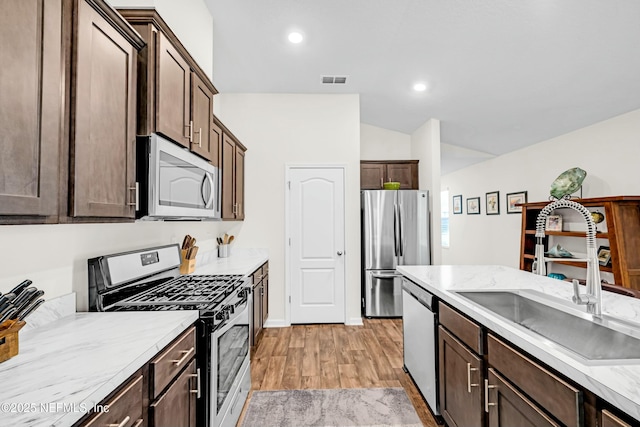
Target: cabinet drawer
[171,361]
[177,406]
[466,330]
[610,420]
[559,398]
[125,409]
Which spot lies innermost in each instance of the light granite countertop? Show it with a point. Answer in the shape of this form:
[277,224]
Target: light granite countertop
[617,382]
[241,261]
[66,367]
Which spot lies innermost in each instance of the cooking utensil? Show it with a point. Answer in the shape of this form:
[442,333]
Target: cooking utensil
[185,241]
[225,239]
[194,252]
[33,296]
[23,297]
[21,287]
[8,315]
[231,239]
[29,309]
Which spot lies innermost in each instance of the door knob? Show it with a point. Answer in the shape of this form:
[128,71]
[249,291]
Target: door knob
[339,253]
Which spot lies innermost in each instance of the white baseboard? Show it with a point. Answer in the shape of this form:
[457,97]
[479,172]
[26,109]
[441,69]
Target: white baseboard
[354,321]
[276,323]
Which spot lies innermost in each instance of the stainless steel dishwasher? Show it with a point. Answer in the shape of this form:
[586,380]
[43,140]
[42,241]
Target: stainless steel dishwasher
[419,332]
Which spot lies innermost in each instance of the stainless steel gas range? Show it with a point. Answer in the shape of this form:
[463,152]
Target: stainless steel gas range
[150,279]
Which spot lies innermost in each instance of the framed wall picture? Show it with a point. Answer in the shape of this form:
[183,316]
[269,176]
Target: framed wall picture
[604,255]
[554,223]
[473,206]
[457,204]
[493,203]
[514,199]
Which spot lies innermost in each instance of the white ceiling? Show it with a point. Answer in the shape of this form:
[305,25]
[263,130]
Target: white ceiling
[502,74]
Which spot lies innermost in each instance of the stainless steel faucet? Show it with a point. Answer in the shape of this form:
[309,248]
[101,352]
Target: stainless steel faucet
[593,298]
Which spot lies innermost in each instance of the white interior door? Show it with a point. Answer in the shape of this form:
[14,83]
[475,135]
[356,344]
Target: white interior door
[317,252]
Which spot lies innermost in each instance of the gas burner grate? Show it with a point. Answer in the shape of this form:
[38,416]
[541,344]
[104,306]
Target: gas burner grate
[187,292]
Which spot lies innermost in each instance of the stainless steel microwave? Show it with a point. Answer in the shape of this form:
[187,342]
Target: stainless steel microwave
[175,184]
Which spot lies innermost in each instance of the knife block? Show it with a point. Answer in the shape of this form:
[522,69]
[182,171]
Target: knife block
[9,338]
[187,266]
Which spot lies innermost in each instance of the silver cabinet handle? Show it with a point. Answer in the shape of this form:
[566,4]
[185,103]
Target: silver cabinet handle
[197,377]
[191,131]
[122,423]
[185,356]
[200,138]
[381,183]
[486,395]
[138,423]
[469,385]
[136,195]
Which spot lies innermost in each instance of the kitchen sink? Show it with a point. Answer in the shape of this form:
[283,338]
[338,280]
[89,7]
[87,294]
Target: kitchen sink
[591,338]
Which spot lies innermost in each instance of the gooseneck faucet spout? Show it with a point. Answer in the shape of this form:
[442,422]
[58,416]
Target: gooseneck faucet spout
[593,298]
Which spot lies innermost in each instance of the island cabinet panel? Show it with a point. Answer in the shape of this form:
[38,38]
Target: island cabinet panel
[467,331]
[30,108]
[550,392]
[507,407]
[460,383]
[173,93]
[611,420]
[102,145]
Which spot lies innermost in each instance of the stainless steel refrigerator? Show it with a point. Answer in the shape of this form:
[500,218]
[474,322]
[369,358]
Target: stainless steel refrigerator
[395,231]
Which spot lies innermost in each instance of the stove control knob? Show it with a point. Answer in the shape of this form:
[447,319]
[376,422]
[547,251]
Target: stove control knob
[231,309]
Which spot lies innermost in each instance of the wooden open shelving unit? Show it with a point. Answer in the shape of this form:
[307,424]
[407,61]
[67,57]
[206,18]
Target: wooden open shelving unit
[622,219]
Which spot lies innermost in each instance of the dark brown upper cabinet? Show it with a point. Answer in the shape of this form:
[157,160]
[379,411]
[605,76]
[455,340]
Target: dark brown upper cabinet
[175,96]
[373,173]
[103,134]
[232,165]
[67,112]
[31,114]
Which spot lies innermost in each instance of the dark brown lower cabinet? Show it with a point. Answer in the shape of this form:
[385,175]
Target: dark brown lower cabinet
[176,407]
[461,383]
[610,420]
[124,409]
[260,309]
[507,407]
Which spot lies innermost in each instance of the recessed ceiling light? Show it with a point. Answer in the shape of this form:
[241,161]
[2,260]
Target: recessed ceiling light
[295,37]
[419,87]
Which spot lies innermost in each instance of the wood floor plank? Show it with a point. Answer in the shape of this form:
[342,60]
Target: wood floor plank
[273,376]
[311,357]
[292,375]
[348,375]
[311,383]
[375,352]
[297,336]
[366,371]
[265,348]
[281,346]
[341,342]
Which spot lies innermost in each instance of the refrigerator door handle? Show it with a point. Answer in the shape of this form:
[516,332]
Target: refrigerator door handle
[401,240]
[395,229]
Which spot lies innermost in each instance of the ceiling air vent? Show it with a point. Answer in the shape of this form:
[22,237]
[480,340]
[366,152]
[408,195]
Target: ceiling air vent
[334,80]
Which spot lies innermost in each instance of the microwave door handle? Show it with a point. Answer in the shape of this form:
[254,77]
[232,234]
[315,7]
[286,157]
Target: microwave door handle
[207,201]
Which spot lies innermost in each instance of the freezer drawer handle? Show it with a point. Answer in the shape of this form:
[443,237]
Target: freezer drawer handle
[385,276]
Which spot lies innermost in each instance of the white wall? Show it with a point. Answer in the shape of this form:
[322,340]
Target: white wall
[609,151]
[190,20]
[55,256]
[294,129]
[377,143]
[425,147]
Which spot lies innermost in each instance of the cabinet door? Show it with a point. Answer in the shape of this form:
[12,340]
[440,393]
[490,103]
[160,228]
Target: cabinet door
[202,116]
[257,313]
[173,93]
[372,175]
[30,106]
[228,154]
[239,182]
[216,140]
[265,298]
[508,407]
[610,420]
[460,375]
[177,406]
[103,158]
[404,173]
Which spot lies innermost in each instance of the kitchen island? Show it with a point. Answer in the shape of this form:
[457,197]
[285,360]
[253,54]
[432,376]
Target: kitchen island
[614,381]
[67,367]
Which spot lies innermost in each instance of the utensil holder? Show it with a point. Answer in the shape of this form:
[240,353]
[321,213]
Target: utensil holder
[187,266]
[9,338]
[224,251]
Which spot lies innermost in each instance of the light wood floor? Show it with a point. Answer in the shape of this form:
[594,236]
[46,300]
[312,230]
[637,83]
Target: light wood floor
[335,356]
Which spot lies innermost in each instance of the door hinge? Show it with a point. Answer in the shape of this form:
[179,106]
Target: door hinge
[289,184]
[289,299]
[289,241]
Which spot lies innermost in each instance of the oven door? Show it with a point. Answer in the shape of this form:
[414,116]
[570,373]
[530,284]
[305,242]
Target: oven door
[230,378]
[181,184]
